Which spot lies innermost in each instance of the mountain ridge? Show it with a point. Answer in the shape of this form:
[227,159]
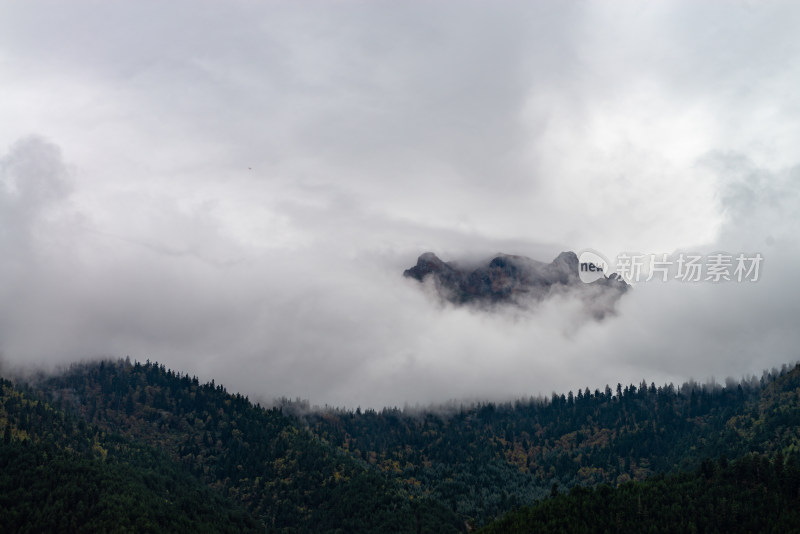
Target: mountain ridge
[517,280]
[376,471]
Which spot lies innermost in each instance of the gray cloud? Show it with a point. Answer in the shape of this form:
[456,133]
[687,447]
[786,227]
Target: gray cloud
[33,179]
[235,190]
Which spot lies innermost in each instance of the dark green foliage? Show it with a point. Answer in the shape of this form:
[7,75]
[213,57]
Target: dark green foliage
[145,430]
[57,474]
[753,494]
[47,491]
[284,476]
[483,460]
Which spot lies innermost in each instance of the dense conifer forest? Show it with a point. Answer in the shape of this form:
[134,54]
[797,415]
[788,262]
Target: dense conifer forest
[135,446]
[753,494]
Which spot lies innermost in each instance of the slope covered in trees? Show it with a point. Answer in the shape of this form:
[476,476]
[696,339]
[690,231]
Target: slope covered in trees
[482,460]
[285,477]
[754,494]
[58,473]
[143,430]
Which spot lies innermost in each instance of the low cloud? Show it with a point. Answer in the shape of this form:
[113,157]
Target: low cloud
[238,194]
[344,328]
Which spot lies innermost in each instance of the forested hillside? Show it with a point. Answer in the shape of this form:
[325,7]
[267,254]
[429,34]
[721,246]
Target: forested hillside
[482,460]
[60,473]
[754,494]
[260,458]
[165,445]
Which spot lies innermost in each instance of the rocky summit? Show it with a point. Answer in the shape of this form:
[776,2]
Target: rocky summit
[514,279]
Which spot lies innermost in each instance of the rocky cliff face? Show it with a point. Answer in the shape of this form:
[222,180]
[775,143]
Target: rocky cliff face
[513,279]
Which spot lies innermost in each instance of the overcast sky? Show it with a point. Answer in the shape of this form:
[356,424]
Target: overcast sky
[234,188]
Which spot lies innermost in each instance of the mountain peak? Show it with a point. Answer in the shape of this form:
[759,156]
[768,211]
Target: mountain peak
[427,263]
[568,258]
[508,278]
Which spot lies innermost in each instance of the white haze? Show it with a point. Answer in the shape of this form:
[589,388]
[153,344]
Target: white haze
[234,188]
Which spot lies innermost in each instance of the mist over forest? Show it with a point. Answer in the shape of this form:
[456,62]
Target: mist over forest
[555,240]
[238,193]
